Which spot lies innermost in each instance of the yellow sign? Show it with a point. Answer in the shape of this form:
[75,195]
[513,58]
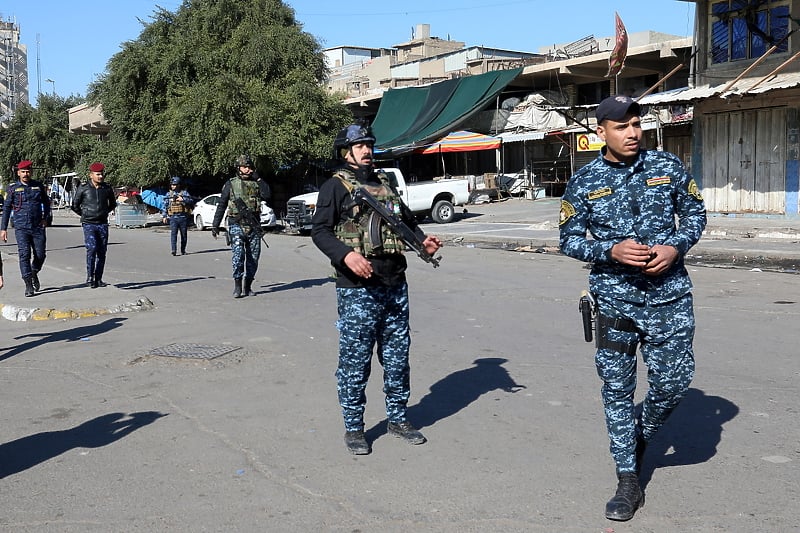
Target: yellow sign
[589,142]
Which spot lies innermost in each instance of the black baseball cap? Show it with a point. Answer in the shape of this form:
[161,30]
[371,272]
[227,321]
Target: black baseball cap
[616,107]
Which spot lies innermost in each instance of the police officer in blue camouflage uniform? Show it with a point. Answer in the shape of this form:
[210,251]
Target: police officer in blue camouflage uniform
[250,190]
[28,200]
[177,209]
[628,199]
[93,202]
[371,288]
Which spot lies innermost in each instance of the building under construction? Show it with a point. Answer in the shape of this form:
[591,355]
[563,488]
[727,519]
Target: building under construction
[13,71]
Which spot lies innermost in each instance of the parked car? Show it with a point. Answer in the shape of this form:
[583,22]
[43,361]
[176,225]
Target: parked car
[203,213]
[436,199]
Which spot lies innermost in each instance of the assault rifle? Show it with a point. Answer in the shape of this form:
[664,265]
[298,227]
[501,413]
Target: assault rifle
[406,234]
[588,308]
[250,218]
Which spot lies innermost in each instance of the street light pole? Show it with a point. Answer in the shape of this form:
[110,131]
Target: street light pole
[48,80]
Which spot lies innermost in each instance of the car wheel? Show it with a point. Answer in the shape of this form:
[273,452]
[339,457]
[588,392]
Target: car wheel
[198,222]
[443,212]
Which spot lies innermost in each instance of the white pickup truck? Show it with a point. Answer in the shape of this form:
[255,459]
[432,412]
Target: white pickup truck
[436,199]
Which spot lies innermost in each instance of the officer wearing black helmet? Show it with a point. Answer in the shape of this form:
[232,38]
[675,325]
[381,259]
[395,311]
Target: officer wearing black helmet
[177,208]
[244,191]
[371,288]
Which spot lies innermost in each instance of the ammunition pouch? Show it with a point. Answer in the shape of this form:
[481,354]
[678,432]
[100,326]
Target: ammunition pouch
[606,323]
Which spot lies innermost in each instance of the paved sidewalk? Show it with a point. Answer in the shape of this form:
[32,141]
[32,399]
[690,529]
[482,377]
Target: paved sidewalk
[64,293]
[773,241]
[63,296]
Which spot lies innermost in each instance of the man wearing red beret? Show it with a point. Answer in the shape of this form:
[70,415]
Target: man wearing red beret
[94,201]
[28,200]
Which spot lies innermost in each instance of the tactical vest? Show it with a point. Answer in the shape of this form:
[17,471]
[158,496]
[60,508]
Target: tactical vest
[354,230]
[248,191]
[175,208]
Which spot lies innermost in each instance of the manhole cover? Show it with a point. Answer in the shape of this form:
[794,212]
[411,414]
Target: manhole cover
[194,351]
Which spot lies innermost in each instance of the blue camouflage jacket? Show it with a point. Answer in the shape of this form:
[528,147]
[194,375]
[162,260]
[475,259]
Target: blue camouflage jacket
[653,201]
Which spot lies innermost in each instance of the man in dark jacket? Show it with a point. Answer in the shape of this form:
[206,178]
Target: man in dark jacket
[27,199]
[371,288]
[93,202]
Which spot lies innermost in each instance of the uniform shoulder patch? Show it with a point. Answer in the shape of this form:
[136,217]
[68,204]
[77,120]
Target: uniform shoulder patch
[599,193]
[567,212]
[694,190]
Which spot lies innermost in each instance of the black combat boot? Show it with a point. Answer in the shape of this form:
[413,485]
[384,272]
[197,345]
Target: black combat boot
[356,442]
[35,281]
[627,499]
[407,432]
[28,286]
[237,288]
[248,287]
[89,280]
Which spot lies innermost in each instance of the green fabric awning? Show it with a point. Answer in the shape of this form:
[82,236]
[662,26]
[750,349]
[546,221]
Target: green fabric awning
[414,116]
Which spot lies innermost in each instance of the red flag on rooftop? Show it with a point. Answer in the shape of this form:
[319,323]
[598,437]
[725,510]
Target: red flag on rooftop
[617,58]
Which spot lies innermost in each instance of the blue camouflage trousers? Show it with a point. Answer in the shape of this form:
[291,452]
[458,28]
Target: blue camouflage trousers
[370,316]
[666,333]
[178,223]
[34,239]
[246,248]
[95,236]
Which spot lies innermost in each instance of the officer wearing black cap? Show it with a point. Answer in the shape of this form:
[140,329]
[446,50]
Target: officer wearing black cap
[628,199]
[178,205]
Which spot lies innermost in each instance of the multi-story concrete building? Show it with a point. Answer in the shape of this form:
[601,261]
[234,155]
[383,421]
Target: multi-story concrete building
[13,71]
[545,112]
[745,92]
[364,74]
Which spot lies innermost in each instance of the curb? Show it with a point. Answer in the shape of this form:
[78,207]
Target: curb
[23,314]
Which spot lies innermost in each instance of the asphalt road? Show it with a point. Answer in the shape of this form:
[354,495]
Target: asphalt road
[101,434]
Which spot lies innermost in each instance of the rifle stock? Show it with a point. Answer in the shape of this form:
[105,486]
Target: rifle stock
[250,218]
[411,239]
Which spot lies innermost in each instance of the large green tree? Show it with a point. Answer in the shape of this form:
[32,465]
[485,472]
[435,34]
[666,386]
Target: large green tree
[211,80]
[42,135]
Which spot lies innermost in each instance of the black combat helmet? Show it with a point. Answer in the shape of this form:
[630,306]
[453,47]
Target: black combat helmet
[352,134]
[175,180]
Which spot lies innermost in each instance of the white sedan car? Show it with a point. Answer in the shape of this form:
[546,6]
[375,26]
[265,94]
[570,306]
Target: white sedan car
[203,213]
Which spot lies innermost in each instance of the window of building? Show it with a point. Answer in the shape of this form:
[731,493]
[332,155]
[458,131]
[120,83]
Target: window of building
[746,29]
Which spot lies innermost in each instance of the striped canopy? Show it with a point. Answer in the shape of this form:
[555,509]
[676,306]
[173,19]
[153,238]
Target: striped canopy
[461,141]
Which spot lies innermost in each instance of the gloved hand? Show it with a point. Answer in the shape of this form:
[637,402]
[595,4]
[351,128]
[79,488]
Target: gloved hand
[214,232]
